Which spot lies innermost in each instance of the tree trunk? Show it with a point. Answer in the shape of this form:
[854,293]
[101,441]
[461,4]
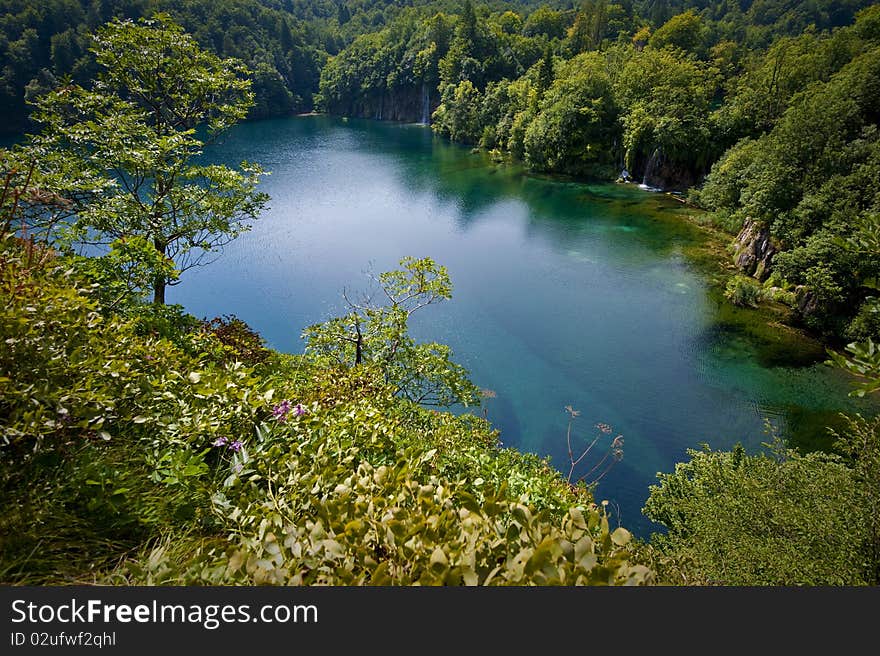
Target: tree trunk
[159,282]
[358,346]
[159,291]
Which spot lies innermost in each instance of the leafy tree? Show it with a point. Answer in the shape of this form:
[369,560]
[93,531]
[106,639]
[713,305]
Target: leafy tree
[759,97]
[125,271]
[666,99]
[859,443]
[590,25]
[684,31]
[545,71]
[768,519]
[138,134]
[376,333]
[458,116]
[862,358]
[811,181]
[546,22]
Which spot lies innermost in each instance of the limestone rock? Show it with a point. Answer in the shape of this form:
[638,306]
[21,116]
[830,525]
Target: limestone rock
[754,250]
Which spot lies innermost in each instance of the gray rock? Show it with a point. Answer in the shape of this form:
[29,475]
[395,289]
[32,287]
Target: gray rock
[754,250]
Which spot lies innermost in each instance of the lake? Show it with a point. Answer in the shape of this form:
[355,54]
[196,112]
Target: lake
[564,294]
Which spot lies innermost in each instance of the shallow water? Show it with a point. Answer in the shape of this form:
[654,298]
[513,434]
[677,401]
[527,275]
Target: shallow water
[564,293]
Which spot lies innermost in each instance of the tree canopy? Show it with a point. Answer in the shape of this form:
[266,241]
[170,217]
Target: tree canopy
[136,136]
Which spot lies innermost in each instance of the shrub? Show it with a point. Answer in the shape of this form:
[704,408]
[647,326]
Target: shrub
[765,519]
[744,291]
[241,342]
[366,502]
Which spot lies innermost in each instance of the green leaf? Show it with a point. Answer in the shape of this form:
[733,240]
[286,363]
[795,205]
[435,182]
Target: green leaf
[438,557]
[621,536]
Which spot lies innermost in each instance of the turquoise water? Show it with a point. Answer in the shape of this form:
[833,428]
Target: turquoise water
[564,293]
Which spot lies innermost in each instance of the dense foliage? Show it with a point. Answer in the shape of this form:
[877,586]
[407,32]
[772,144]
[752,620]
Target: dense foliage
[774,519]
[45,42]
[124,442]
[377,333]
[140,445]
[811,180]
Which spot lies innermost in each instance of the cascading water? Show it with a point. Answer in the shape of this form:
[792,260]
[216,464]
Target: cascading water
[426,104]
[650,168]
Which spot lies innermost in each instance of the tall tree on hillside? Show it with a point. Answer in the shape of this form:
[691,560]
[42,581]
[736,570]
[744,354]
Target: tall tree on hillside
[139,133]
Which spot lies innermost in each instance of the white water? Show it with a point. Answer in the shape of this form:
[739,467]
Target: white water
[650,169]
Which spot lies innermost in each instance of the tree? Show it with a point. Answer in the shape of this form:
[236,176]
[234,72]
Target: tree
[589,26]
[811,180]
[576,122]
[770,519]
[666,99]
[545,70]
[374,333]
[458,116]
[683,31]
[137,135]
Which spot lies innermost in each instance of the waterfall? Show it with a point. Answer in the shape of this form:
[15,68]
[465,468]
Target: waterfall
[650,168]
[426,104]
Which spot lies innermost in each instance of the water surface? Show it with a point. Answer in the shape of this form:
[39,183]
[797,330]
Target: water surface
[564,293]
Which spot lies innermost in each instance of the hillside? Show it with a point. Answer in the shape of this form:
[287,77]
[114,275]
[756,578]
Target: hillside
[144,446]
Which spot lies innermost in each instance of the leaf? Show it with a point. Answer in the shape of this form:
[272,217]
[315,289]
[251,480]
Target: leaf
[195,377]
[621,536]
[577,518]
[140,419]
[438,557]
[236,560]
[468,501]
[588,561]
[522,515]
[104,435]
[582,547]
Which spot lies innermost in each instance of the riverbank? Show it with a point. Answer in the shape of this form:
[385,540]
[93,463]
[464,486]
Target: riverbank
[767,333]
[771,324]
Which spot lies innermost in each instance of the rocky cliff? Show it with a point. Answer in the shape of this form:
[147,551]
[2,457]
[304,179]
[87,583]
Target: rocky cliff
[754,250]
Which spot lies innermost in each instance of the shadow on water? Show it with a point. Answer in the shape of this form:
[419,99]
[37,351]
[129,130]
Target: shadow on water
[502,414]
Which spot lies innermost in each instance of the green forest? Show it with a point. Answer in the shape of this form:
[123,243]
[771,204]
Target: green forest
[144,446]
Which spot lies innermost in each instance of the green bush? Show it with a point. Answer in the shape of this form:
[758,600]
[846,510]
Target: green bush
[372,497]
[106,431]
[770,519]
[241,343]
[744,291]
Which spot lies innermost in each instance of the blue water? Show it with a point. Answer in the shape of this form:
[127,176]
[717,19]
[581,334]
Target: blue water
[564,293]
